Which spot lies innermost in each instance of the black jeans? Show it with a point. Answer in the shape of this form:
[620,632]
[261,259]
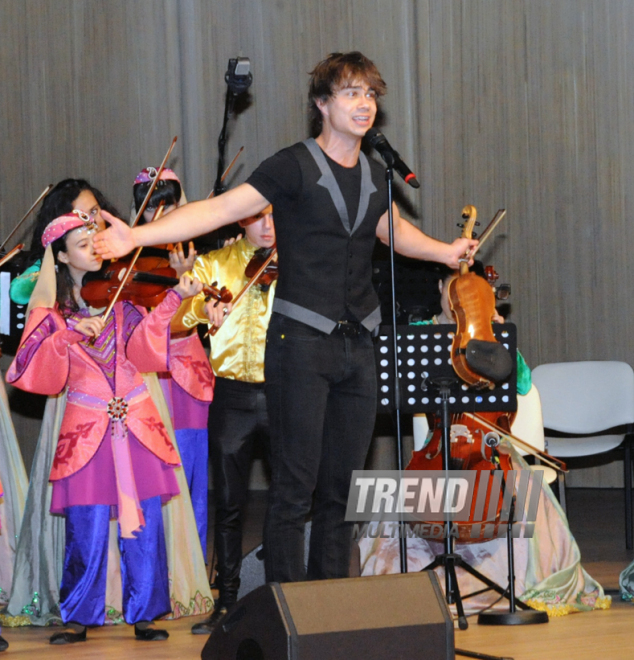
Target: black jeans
[237,417]
[321,397]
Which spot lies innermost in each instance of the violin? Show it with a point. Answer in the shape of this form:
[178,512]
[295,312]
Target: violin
[146,284]
[260,270]
[477,357]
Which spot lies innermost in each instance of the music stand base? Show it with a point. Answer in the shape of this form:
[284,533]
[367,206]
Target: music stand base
[523,618]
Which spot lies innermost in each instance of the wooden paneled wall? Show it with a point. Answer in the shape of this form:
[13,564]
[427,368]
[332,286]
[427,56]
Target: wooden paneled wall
[522,104]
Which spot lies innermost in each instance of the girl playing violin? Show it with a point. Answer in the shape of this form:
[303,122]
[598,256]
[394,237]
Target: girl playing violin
[38,562]
[188,387]
[114,456]
[67,195]
[168,191]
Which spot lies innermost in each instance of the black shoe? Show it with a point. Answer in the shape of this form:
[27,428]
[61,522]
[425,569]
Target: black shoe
[205,627]
[4,645]
[150,634]
[68,637]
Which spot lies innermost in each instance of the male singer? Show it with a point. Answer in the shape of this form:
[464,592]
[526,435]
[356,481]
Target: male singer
[330,203]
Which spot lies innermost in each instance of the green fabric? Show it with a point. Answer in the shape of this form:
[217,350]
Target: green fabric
[22,286]
[524,381]
[626,583]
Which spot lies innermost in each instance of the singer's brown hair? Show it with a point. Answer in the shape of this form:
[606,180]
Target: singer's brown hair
[336,72]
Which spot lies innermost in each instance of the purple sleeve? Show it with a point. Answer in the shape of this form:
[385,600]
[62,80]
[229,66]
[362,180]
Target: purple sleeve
[42,362]
[131,318]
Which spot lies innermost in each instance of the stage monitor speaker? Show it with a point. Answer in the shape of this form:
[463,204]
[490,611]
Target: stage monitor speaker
[399,617]
[252,570]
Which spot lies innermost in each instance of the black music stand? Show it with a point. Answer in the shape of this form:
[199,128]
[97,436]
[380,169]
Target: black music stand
[12,315]
[424,365]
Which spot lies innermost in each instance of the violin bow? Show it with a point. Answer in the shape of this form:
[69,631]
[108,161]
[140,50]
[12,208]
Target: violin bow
[9,255]
[158,213]
[214,328]
[153,186]
[553,462]
[226,172]
[487,232]
[27,214]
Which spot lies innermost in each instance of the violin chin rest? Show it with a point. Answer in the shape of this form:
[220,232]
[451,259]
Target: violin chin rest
[489,359]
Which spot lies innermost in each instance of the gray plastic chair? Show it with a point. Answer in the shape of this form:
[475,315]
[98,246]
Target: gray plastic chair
[592,402]
[528,425]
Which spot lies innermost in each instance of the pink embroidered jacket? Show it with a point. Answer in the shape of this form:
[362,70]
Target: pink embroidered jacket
[190,367]
[50,358]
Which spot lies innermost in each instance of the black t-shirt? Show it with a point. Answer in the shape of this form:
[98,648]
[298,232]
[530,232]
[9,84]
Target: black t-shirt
[281,175]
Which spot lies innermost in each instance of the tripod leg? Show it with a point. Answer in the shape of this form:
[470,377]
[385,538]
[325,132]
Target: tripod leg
[450,568]
[435,564]
[492,585]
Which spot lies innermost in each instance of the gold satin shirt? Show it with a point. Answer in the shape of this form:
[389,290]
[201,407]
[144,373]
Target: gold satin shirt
[237,349]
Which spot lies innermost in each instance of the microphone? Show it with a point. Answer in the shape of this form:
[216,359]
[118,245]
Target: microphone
[391,157]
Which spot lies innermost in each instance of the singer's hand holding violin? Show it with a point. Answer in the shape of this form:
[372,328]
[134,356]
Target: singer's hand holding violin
[460,249]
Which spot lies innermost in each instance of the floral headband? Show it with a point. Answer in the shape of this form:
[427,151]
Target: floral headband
[65,223]
[149,174]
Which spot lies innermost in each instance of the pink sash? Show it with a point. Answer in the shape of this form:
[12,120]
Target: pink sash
[130,514]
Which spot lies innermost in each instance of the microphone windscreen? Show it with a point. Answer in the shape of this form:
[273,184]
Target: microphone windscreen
[375,137]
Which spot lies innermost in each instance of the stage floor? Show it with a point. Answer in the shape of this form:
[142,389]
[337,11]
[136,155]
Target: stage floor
[596,519]
[590,636]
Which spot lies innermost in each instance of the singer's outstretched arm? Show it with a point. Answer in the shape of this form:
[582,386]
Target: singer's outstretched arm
[412,242]
[193,219]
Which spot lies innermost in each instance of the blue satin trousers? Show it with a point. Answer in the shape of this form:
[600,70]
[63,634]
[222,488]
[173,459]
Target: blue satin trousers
[194,450]
[144,575]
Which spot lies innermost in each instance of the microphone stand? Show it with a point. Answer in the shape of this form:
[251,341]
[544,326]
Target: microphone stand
[230,98]
[452,559]
[237,84]
[513,616]
[400,459]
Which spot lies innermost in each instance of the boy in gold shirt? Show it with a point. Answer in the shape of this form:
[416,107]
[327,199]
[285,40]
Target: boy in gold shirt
[237,415]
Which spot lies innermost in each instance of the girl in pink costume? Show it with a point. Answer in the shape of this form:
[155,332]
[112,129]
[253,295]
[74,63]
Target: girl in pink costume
[188,388]
[114,457]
